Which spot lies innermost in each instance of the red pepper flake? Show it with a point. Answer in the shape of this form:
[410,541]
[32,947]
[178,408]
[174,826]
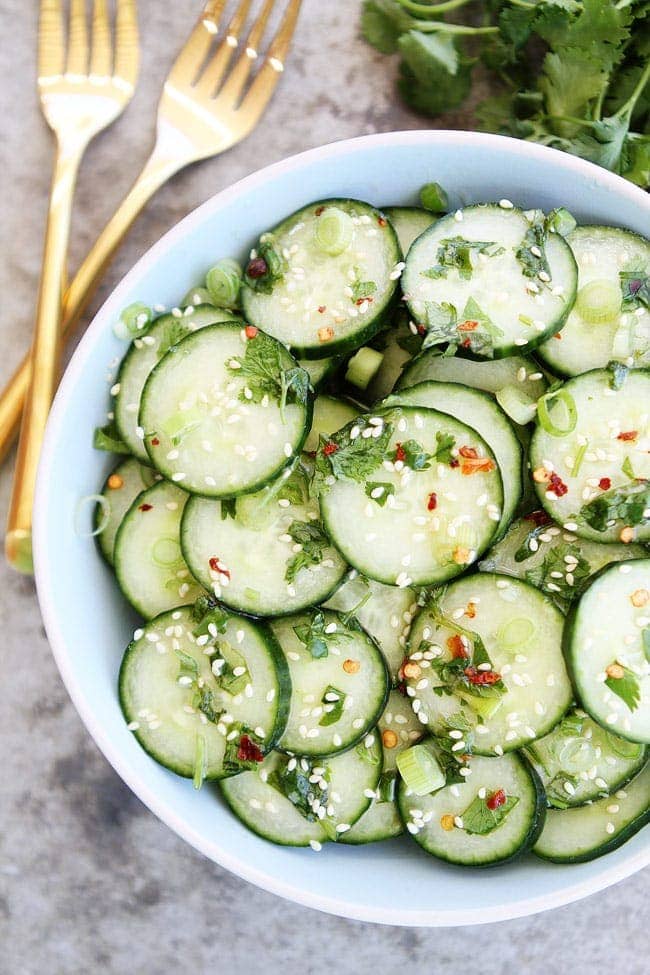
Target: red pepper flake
[432,501]
[257,268]
[248,751]
[557,335]
[539,518]
[216,566]
[318,211]
[469,325]
[382,221]
[155,442]
[481,677]
[471,463]
[400,453]
[251,331]
[628,435]
[311,453]
[466,343]
[321,309]
[421,329]
[145,507]
[468,452]
[454,462]
[604,484]
[330,448]
[470,610]
[360,301]
[557,486]
[457,648]
[496,799]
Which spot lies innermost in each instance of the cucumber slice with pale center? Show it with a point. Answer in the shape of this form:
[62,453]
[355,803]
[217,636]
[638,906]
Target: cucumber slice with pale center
[408,223]
[121,488]
[607,645]
[330,414]
[491,376]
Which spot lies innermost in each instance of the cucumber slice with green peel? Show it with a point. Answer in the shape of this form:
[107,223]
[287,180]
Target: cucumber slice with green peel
[264,555]
[579,761]
[385,612]
[143,354]
[488,654]
[590,454]
[363,367]
[331,276]
[319,370]
[489,281]
[607,647]
[340,680]
[121,488]
[524,374]
[416,495]
[552,559]
[493,815]
[341,788]
[480,411]
[607,321]
[591,831]
[330,414]
[397,344]
[225,411]
[408,223]
[192,697]
[149,564]
[399,729]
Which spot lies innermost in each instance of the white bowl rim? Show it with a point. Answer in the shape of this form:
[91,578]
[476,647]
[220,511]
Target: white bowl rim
[162,809]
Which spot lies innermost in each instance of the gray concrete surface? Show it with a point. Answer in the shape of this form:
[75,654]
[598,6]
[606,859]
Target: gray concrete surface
[90,881]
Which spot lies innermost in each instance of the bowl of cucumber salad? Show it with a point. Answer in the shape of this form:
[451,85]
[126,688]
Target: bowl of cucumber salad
[343,522]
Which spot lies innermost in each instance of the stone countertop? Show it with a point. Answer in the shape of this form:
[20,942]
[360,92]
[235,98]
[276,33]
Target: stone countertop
[90,881]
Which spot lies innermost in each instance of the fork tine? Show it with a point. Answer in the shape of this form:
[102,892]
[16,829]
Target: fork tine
[51,43]
[127,49]
[101,54]
[77,39]
[259,94]
[216,67]
[234,85]
[195,50]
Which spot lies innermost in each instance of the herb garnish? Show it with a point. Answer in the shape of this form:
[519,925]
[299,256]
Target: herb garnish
[541,576]
[625,684]
[618,373]
[333,702]
[635,288]
[362,290]
[456,252]
[626,504]
[474,329]
[445,443]
[379,491]
[271,264]
[228,508]
[261,369]
[109,438]
[531,253]
[412,454]
[471,671]
[480,819]
[295,784]
[313,636]
[312,537]
[441,319]
[344,458]
[244,751]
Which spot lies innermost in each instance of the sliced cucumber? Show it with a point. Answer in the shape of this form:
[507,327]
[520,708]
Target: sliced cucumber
[479,411]
[579,761]
[399,729]
[143,354]
[579,835]
[190,696]
[317,298]
[319,370]
[489,281]
[330,414]
[408,223]
[457,824]
[385,612]
[607,645]
[453,683]
[591,447]
[552,559]
[222,415]
[340,681]
[340,788]
[265,554]
[121,488]
[491,376]
[606,322]
[149,564]
[397,344]
[402,515]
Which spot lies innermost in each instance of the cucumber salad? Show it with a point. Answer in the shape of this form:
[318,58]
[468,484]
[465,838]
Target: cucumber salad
[383,505]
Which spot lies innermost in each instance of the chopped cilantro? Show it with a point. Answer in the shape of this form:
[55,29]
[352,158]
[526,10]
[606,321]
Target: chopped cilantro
[295,784]
[363,289]
[276,266]
[379,491]
[243,752]
[626,687]
[479,819]
[333,702]
[228,508]
[344,458]
[625,505]
[445,443]
[635,288]
[441,320]
[627,469]
[545,575]
[263,374]
[312,537]
[108,438]
[457,253]
[313,636]
[531,253]
[413,455]
[618,374]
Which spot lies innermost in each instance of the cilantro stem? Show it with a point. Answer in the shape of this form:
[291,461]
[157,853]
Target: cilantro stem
[628,107]
[428,10]
[440,27]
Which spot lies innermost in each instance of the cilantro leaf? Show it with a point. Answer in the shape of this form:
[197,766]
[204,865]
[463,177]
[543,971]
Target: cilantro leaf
[264,375]
[109,438]
[445,443]
[441,320]
[551,574]
[635,288]
[276,266]
[333,702]
[382,22]
[434,77]
[414,456]
[352,459]
[362,289]
[626,687]
[481,336]
[379,491]
[312,537]
[531,252]
[296,785]
[456,253]
[626,505]
[479,819]
[313,636]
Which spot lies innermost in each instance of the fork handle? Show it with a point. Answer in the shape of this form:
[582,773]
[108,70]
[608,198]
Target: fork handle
[45,356]
[157,170]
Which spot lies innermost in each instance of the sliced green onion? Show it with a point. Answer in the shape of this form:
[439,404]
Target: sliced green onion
[133,321]
[621,747]
[434,198]
[166,551]
[466,536]
[580,456]
[544,413]
[102,511]
[197,296]
[223,282]
[334,231]
[363,367]
[560,221]
[599,301]
[484,707]
[199,762]
[519,407]
[574,753]
[420,770]
[515,633]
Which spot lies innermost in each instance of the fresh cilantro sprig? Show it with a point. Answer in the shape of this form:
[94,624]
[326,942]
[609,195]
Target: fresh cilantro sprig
[312,537]
[314,637]
[625,505]
[626,686]
[293,779]
[456,253]
[542,577]
[264,374]
[635,288]
[479,819]
[348,458]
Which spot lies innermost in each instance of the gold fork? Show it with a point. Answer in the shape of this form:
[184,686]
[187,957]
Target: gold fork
[81,92]
[203,111]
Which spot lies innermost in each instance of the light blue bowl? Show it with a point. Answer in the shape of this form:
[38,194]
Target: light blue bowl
[89,624]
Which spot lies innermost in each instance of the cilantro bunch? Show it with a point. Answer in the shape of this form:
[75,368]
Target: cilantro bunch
[572,74]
